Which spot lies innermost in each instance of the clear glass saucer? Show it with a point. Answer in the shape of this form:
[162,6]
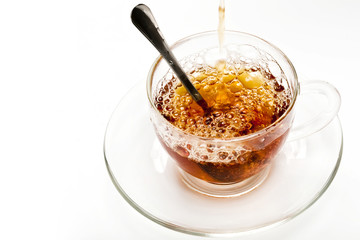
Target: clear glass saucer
[150,182]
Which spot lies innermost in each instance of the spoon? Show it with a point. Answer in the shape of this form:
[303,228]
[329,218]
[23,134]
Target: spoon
[144,20]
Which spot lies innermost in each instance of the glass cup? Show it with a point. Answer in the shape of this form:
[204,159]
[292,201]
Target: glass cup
[232,167]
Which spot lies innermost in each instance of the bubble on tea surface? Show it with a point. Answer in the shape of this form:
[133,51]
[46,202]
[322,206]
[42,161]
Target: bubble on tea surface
[249,52]
[213,56]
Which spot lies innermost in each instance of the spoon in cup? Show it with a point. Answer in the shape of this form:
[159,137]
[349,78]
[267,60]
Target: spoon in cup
[145,22]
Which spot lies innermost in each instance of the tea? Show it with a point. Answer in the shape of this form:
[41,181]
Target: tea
[243,99]
[221,26]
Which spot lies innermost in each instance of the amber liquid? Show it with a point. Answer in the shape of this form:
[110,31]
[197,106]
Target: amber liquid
[242,101]
[221,26]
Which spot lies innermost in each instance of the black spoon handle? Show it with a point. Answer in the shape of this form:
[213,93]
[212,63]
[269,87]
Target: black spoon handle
[144,20]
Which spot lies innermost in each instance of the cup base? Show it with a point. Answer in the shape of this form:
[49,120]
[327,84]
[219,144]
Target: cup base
[224,190]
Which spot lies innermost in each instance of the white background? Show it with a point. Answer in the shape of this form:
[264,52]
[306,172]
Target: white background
[64,66]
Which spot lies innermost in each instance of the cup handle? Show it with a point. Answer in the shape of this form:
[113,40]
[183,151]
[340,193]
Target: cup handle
[316,106]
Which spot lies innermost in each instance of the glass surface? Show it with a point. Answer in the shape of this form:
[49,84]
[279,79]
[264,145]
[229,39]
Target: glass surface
[149,180]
